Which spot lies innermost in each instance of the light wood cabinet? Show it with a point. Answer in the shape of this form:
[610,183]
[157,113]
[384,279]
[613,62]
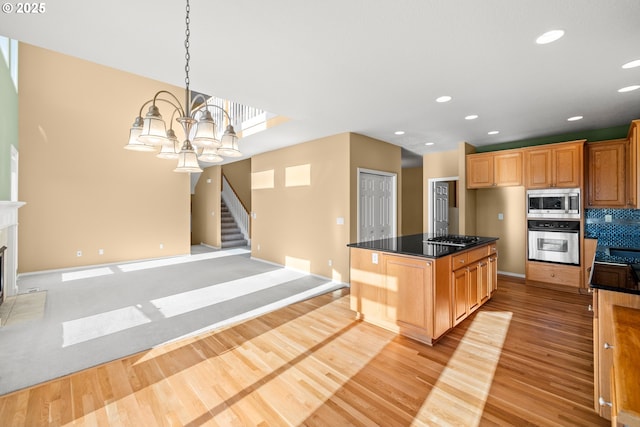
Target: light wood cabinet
[407,281]
[493,268]
[460,290]
[471,280]
[557,274]
[633,161]
[607,173]
[419,297]
[603,340]
[495,169]
[556,165]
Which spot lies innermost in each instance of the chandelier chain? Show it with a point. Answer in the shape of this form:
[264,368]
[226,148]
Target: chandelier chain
[187,56]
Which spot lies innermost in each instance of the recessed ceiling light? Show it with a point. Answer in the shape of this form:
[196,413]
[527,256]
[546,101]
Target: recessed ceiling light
[629,88]
[493,132]
[445,98]
[574,118]
[429,143]
[550,36]
[471,117]
[632,64]
[399,132]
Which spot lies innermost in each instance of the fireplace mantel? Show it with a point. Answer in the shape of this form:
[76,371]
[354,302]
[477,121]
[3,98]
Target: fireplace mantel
[9,213]
[9,222]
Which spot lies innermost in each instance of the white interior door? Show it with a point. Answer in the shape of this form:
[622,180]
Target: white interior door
[440,208]
[376,206]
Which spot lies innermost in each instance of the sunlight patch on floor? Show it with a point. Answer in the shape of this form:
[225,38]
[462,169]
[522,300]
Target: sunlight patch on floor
[145,265]
[99,325]
[110,322]
[85,274]
[473,366]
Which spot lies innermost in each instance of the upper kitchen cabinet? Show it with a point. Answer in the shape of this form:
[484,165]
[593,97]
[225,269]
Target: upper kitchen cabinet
[607,174]
[555,165]
[633,178]
[495,169]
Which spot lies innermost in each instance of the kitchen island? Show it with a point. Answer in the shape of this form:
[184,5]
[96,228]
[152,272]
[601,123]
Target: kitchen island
[422,285]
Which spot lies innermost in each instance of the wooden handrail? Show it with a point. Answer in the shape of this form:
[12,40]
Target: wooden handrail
[234,191]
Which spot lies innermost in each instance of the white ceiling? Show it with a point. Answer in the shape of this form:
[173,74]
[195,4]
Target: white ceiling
[372,66]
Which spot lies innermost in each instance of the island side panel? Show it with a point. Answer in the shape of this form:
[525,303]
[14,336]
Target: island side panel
[367,283]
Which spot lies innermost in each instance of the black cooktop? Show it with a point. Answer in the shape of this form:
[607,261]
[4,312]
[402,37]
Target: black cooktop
[454,240]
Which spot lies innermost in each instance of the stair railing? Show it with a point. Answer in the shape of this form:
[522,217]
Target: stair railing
[236,208]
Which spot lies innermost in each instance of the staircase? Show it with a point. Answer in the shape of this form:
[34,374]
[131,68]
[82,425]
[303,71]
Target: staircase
[230,232]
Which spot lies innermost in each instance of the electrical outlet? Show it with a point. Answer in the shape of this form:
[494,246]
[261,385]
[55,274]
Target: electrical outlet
[608,218]
[161,245]
[100,251]
[330,263]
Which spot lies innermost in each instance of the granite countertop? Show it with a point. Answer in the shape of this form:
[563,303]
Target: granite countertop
[616,269]
[417,245]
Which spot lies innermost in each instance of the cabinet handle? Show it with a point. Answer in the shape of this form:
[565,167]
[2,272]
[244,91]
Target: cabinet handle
[553,274]
[603,402]
[589,308]
[590,290]
[607,346]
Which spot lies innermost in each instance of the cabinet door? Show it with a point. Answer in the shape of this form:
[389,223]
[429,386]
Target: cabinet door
[538,168]
[474,282]
[507,169]
[460,279]
[567,166]
[493,274]
[484,281]
[480,170]
[406,288]
[603,354]
[607,167]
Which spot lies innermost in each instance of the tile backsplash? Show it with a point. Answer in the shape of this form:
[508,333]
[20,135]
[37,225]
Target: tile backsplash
[616,228]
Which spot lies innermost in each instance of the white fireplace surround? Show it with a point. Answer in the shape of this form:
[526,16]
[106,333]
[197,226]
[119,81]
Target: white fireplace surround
[9,221]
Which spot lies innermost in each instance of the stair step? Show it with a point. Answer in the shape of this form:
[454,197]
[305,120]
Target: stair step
[234,243]
[230,237]
[230,230]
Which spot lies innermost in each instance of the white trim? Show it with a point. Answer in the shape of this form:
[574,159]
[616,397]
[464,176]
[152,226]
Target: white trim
[430,183]
[9,221]
[394,208]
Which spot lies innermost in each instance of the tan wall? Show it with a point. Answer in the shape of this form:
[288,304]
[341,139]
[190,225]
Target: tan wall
[509,201]
[239,176]
[368,153]
[83,190]
[412,188]
[205,208]
[298,193]
[443,164]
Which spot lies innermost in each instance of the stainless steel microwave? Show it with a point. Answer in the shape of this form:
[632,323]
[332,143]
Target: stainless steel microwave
[554,203]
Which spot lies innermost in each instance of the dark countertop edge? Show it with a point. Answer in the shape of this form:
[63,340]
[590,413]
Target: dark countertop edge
[454,250]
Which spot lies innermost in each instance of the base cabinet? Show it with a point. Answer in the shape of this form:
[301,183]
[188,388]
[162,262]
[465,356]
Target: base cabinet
[418,297]
[603,341]
[557,274]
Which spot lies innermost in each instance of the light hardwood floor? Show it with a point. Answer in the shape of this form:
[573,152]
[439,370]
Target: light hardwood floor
[524,359]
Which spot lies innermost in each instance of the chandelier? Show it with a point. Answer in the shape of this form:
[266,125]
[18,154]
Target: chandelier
[200,130]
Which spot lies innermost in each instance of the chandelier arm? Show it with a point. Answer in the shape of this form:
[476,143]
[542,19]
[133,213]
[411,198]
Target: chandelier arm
[213,105]
[177,104]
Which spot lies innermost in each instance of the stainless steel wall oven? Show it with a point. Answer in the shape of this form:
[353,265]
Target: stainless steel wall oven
[554,241]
